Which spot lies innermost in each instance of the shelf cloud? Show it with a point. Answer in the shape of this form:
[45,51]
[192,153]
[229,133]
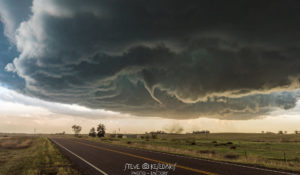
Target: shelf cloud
[173,59]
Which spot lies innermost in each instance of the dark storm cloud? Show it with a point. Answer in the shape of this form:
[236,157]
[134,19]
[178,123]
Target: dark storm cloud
[175,59]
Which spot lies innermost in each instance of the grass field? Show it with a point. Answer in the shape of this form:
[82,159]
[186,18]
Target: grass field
[268,150]
[32,155]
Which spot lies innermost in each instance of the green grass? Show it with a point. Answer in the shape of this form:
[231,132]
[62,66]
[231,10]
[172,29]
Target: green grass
[40,157]
[265,150]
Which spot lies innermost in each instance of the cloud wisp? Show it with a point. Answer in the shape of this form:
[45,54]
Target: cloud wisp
[227,60]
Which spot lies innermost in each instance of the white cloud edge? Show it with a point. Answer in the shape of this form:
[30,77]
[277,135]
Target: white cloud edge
[7,95]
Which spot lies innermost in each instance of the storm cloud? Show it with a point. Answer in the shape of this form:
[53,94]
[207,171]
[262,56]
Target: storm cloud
[173,59]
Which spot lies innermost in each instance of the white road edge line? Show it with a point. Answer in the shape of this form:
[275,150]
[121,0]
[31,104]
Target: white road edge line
[101,171]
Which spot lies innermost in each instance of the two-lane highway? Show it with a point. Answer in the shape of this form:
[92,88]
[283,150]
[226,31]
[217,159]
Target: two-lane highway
[99,158]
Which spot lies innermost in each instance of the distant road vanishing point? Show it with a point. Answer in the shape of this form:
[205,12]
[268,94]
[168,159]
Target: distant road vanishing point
[104,159]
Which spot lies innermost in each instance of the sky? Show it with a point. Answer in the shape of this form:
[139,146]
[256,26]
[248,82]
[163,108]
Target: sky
[139,65]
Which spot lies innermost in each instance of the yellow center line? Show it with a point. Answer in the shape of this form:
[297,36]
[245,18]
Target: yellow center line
[146,158]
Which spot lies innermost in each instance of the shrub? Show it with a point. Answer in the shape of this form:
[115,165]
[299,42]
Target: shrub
[92,134]
[190,142]
[233,147]
[206,152]
[231,156]
[154,136]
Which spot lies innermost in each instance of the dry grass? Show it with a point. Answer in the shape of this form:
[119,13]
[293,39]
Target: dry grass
[32,156]
[15,143]
[265,150]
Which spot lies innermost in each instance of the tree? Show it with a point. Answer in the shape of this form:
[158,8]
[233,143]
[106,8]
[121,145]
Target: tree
[76,129]
[92,132]
[101,130]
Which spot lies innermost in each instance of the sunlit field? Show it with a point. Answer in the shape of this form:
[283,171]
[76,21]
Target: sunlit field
[268,150]
[23,155]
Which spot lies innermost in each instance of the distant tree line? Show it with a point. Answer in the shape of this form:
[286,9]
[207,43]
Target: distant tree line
[100,131]
[282,132]
[201,132]
[158,132]
[279,132]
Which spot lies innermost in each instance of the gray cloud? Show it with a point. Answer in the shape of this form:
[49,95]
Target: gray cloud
[13,12]
[59,109]
[229,60]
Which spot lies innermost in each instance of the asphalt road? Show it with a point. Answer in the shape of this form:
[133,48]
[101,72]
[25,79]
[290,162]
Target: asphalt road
[99,158]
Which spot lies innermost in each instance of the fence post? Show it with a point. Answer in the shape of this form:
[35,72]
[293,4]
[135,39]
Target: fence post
[284,157]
